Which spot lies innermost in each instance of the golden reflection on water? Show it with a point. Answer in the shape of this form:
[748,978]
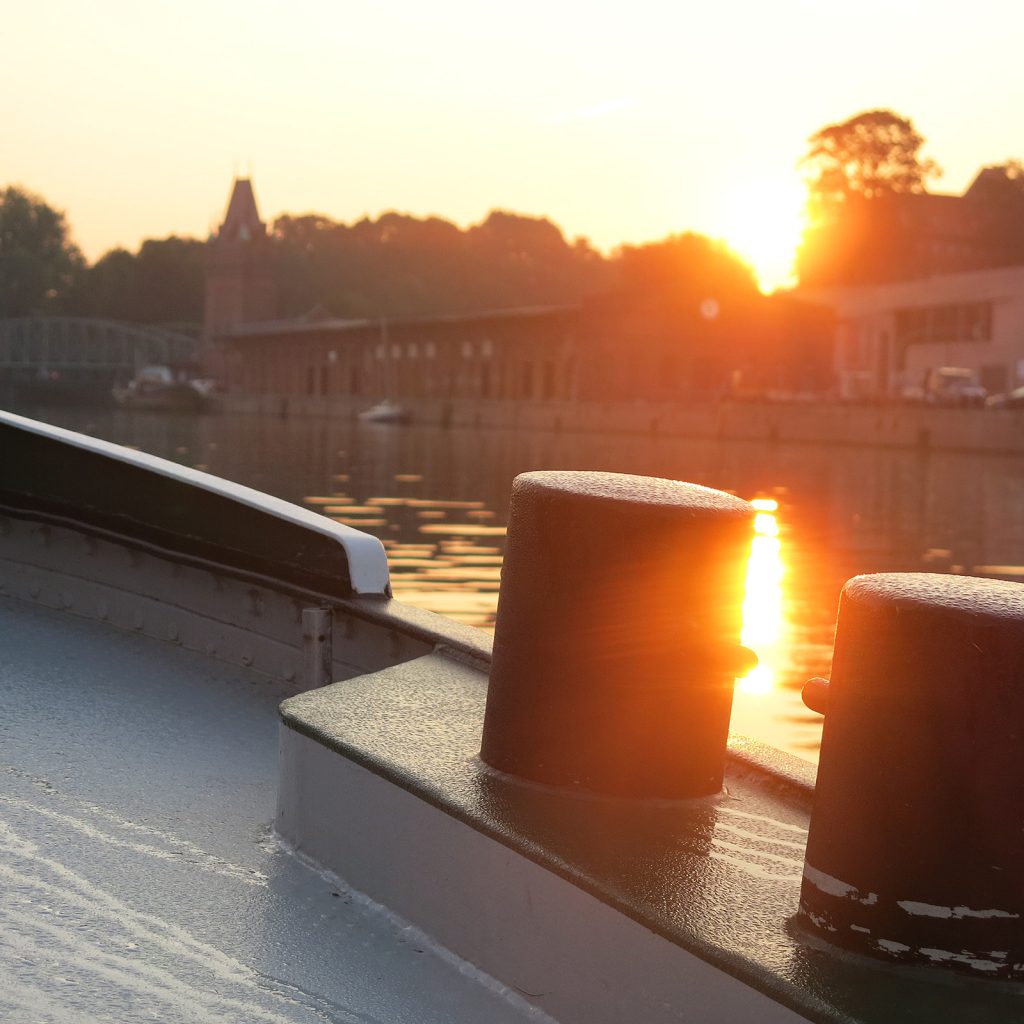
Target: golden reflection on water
[452,570]
[762,605]
[445,555]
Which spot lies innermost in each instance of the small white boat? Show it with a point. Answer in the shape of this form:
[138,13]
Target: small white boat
[160,389]
[386,412]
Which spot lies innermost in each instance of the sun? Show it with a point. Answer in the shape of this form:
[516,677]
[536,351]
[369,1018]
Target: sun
[762,221]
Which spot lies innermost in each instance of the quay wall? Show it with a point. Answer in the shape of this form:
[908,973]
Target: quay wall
[889,426]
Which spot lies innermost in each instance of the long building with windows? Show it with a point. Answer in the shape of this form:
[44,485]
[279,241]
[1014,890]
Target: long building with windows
[506,354]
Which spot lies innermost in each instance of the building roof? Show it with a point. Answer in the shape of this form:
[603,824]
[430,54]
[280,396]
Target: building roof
[318,325]
[987,284]
[242,220]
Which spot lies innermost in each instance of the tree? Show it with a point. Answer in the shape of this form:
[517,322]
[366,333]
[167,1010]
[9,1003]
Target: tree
[38,261]
[867,202]
[170,277]
[162,283]
[681,272]
[403,265]
[871,155]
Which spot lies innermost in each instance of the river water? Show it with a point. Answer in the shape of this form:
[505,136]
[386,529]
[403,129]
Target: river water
[438,499]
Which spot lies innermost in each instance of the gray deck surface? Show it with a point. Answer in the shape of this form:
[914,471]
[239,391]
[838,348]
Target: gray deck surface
[139,879]
[718,877]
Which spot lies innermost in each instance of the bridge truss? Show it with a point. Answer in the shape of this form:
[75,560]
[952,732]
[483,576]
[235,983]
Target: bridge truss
[87,350]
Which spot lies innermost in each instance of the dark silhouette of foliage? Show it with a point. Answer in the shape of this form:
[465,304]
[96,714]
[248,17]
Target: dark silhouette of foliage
[403,265]
[161,283]
[38,260]
[871,155]
[683,271]
[866,177]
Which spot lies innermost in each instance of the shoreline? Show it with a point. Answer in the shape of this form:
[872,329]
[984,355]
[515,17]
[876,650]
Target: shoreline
[907,427]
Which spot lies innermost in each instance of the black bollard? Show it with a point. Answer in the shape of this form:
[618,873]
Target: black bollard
[617,638]
[916,844]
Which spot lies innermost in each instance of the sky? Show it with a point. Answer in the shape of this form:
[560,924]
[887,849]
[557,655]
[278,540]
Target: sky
[622,122]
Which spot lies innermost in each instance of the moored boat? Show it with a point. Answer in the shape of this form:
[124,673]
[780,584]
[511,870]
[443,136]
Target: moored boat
[160,389]
[532,830]
[386,411]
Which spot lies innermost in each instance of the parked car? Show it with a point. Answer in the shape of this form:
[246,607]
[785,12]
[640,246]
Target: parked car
[1011,400]
[953,385]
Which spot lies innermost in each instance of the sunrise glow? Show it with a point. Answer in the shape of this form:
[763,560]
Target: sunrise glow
[762,221]
[762,605]
[621,124]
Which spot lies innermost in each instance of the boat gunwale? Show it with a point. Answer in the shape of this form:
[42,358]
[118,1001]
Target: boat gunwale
[367,561]
[464,642]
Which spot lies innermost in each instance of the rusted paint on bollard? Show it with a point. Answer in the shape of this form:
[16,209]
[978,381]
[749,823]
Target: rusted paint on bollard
[617,636]
[917,836]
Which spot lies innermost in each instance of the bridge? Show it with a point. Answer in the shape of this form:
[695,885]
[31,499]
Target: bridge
[83,354]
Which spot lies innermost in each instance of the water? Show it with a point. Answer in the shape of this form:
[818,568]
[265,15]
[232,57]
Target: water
[438,499]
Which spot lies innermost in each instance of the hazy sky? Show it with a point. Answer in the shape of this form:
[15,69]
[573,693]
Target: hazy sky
[622,122]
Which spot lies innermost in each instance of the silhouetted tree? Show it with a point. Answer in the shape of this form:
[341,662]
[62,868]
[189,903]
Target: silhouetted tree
[684,270]
[871,155]
[38,260]
[162,283]
[403,265]
[863,173]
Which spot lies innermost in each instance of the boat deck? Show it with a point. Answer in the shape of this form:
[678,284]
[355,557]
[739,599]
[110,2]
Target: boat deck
[660,903]
[140,876]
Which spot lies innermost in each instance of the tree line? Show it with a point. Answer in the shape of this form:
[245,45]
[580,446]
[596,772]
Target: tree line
[393,265]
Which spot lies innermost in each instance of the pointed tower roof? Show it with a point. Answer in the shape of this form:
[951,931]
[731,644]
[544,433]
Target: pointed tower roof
[242,220]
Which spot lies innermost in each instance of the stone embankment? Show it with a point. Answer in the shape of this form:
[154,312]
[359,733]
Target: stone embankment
[890,426]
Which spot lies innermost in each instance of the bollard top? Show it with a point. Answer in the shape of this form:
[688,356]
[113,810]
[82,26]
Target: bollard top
[921,590]
[641,491]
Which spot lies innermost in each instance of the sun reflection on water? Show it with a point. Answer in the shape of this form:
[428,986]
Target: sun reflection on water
[762,604]
[446,556]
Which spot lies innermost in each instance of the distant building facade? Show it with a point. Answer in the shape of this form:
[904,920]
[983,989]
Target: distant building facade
[889,335]
[599,351]
[522,354]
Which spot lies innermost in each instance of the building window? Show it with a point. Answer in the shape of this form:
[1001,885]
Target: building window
[978,321]
[549,381]
[944,323]
[965,321]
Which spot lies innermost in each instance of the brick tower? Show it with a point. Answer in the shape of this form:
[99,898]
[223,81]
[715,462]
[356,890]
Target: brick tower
[239,271]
